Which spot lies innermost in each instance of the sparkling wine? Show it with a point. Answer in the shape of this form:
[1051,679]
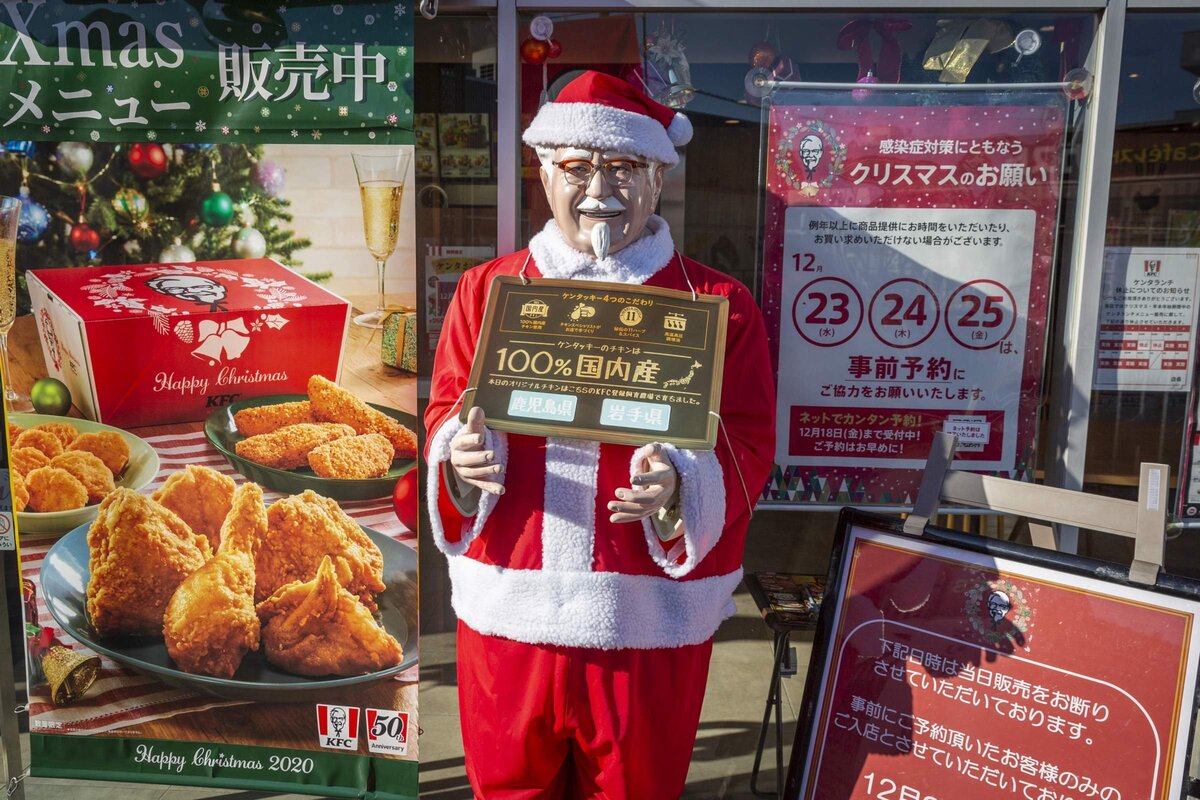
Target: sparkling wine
[8,284]
[381,216]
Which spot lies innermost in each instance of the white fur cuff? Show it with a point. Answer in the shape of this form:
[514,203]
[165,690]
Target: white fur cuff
[702,507]
[439,451]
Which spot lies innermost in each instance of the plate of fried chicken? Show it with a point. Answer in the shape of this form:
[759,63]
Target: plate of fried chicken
[328,441]
[203,586]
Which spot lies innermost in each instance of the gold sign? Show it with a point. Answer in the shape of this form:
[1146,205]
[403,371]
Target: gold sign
[602,361]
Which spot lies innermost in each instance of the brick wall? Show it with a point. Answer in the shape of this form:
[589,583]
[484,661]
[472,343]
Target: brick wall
[325,203]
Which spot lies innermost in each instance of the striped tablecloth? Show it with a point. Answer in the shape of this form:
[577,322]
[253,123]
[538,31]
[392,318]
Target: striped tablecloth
[119,697]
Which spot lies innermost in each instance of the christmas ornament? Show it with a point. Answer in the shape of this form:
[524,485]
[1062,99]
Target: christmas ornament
[404,499]
[50,396]
[69,674]
[176,252]
[668,74]
[217,209]
[130,204]
[862,94]
[75,157]
[534,51]
[249,243]
[270,177]
[34,218]
[763,55]
[147,160]
[19,148]
[555,48]
[83,237]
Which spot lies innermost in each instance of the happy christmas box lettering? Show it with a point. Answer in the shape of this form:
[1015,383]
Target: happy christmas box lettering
[147,344]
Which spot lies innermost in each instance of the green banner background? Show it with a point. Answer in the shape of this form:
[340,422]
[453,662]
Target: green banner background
[190,71]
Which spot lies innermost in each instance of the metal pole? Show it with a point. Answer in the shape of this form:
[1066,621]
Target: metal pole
[14,771]
[508,117]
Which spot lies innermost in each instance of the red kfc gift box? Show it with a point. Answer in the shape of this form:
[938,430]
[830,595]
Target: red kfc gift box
[155,343]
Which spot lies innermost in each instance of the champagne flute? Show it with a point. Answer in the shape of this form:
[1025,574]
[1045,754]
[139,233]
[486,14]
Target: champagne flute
[10,213]
[381,186]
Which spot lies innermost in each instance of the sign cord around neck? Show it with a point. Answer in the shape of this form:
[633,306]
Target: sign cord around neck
[733,457]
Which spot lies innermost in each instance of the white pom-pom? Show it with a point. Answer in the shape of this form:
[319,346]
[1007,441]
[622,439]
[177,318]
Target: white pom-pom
[680,130]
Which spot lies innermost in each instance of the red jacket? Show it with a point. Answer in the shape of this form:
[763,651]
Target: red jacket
[542,563]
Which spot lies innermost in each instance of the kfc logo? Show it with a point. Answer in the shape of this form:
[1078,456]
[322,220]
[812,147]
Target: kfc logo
[1152,266]
[387,731]
[192,288]
[337,726]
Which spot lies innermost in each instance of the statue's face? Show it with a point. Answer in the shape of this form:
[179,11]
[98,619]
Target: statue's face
[607,212]
[811,149]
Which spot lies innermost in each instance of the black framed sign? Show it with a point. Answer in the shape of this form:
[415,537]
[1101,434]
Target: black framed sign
[601,361]
[951,666]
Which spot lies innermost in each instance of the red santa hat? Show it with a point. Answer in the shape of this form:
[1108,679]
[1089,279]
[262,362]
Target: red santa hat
[607,113]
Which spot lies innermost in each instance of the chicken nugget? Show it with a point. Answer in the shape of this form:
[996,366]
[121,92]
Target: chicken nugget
[54,489]
[108,446]
[265,419]
[65,431]
[14,430]
[26,459]
[88,470]
[288,448]
[20,494]
[45,441]
[202,498]
[366,456]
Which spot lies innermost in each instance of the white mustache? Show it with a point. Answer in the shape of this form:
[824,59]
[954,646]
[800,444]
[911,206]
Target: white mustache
[609,203]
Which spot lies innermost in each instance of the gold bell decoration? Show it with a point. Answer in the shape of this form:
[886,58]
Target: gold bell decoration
[69,674]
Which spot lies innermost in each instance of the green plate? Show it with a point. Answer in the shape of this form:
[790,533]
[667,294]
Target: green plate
[141,469]
[223,433]
[64,577]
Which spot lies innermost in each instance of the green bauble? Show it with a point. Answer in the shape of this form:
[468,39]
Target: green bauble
[130,204]
[217,210]
[51,396]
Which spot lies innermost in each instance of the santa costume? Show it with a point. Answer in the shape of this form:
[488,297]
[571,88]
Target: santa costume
[583,645]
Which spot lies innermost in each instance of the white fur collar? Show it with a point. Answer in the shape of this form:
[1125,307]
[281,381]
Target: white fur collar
[633,264]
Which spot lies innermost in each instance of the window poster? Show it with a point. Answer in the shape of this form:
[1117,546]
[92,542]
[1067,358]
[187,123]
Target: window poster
[908,253]
[217,589]
[1147,329]
[948,672]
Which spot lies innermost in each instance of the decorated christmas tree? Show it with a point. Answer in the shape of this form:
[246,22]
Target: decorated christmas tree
[92,204]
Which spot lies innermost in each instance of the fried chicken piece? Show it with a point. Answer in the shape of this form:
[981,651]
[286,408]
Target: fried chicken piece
[65,431]
[20,494]
[210,622]
[89,471]
[26,459]
[332,403]
[202,498]
[54,489]
[264,419]
[288,448]
[316,627]
[42,440]
[14,430]
[108,446]
[139,553]
[304,528]
[366,456]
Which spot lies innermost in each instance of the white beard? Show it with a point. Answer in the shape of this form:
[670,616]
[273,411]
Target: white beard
[601,240]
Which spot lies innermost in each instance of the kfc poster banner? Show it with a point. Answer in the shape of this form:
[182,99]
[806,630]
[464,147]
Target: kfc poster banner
[948,672]
[908,254]
[218,582]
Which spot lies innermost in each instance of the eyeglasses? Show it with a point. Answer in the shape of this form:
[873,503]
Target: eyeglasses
[618,172]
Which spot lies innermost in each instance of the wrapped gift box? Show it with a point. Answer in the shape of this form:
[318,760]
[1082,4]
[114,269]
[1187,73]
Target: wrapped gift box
[400,339]
[145,344]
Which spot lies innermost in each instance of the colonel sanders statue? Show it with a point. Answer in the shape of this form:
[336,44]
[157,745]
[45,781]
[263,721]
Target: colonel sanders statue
[589,578]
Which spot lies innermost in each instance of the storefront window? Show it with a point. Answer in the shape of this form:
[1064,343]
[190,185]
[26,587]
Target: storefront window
[455,133]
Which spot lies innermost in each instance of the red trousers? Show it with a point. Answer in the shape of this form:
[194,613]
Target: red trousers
[541,721]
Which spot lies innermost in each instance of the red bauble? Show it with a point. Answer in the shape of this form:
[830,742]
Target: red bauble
[763,55]
[147,160]
[534,51]
[404,499]
[84,237]
[555,48]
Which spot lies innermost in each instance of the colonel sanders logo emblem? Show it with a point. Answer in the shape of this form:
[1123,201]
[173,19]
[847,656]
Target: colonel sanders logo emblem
[1000,612]
[193,288]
